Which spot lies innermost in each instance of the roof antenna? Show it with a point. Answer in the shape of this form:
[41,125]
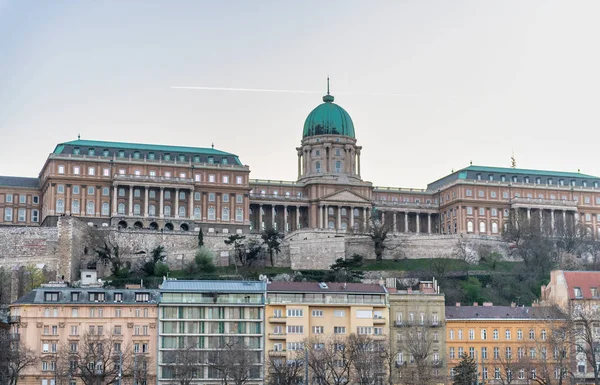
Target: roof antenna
[327,84]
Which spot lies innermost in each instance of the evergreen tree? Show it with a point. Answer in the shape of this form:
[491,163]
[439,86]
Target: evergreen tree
[466,371]
[200,238]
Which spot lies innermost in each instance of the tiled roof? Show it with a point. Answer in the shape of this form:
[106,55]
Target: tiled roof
[585,280]
[140,146]
[524,171]
[315,287]
[502,312]
[16,181]
[64,295]
[214,286]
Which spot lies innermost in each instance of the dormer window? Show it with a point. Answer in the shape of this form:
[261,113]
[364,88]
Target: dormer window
[578,293]
[223,160]
[76,151]
[105,153]
[491,177]
[515,179]
[503,178]
[478,176]
[561,182]
[91,152]
[182,158]
[75,296]
[121,154]
[51,296]
[118,297]
[142,297]
[211,160]
[549,180]
[136,155]
[584,183]
[151,156]
[96,297]
[573,182]
[167,157]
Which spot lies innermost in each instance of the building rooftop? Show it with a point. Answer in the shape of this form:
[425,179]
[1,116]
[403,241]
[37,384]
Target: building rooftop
[214,286]
[17,181]
[63,296]
[501,312]
[315,287]
[585,281]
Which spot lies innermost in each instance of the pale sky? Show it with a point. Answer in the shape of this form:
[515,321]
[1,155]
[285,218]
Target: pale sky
[477,80]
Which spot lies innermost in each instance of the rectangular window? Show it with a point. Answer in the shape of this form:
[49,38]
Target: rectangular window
[51,297]
[239,180]
[295,329]
[318,329]
[317,313]
[61,169]
[225,179]
[91,171]
[22,198]
[339,313]
[295,312]
[22,215]
[211,178]
[339,330]
[142,297]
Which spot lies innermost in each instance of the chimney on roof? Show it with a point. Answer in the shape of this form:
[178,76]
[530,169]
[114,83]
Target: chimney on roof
[458,304]
[488,304]
[475,304]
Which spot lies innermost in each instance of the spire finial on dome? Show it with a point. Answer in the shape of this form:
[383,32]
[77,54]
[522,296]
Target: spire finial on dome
[328,98]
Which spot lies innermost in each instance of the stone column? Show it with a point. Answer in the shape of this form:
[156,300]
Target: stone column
[564,215]
[146,203]
[339,218]
[406,221]
[320,216]
[204,206]
[428,223]
[68,200]
[576,217]
[552,220]
[298,217]
[130,201]
[115,200]
[82,200]
[176,203]
[98,203]
[541,220]
[418,223]
[273,221]
[260,218]
[358,162]
[285,219]
[299,164]
[191,204]
[364,219]
[394,221]
[352,217]
[162,202]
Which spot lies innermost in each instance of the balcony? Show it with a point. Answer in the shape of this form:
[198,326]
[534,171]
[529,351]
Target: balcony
[437,363]
[544,203]
[407,205]
[277,336]
[379,321]
[277,353]
[399,324]
[14,319]
[379,337]
[278,320]
[153,179]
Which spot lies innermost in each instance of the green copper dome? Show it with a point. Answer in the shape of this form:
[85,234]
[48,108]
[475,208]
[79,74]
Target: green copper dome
[328,119]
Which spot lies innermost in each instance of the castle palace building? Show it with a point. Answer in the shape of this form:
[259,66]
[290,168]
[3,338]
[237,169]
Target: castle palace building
[170,188]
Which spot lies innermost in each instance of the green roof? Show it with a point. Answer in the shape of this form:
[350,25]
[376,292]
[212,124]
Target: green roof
[523,171]
[138,146]
[328,119]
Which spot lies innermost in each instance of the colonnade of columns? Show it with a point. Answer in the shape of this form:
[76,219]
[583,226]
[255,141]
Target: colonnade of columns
[411,221]
[283,217]
[129,192]
[548,220]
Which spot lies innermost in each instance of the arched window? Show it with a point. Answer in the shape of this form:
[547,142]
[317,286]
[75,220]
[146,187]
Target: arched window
[90,208]
[60,206]
[239,215]
[167,211]
[482,227]
[338,166]
[318,166]
[182,212]
[331,225]
[356,213]
[344,212]
[136,209]
[105,208]
[330,211]
[121,209]
[211,213]
[495,227]
[152,210]
[344,226]
[197,196]
[75,206]
[197,212]
[469,227]
[225,214]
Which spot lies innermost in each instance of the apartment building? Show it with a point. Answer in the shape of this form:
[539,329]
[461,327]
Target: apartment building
[59,323]
[297,311]
[511,344]
[418,331]
[208,327]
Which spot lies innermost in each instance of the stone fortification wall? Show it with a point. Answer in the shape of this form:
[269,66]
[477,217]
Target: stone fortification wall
[21,246]
[314,249]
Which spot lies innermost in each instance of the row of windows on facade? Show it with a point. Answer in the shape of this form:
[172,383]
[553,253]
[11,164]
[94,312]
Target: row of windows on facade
[505,195]
[53,296]
[95,312]
[338,152]
[21,215]
[521,374]
[538,180]
[421,320]
[521,353]
[296,313]
[52,346]
[22,198]
[137,193]
[299,329]
[496,334]
[137,210]
[405,199]
[337,168]
[122,154]
[212,178]
[117,330]
[400,358]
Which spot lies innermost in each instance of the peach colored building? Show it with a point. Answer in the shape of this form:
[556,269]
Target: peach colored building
[56,318]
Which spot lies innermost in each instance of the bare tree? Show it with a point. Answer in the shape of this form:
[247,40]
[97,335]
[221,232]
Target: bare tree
[417,342]
[329,360]
[288,370]
[235,362]
[368,359]
[378,230]
[183,363]
[14,357]
[99,359]
[389,351]
[585,329]
[464,252]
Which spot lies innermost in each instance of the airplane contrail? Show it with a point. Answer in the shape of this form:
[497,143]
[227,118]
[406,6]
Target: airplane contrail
[287,91]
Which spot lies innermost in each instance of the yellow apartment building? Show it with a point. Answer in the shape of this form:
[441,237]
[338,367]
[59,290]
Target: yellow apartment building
[296,311]
[58,323]
[511,344]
